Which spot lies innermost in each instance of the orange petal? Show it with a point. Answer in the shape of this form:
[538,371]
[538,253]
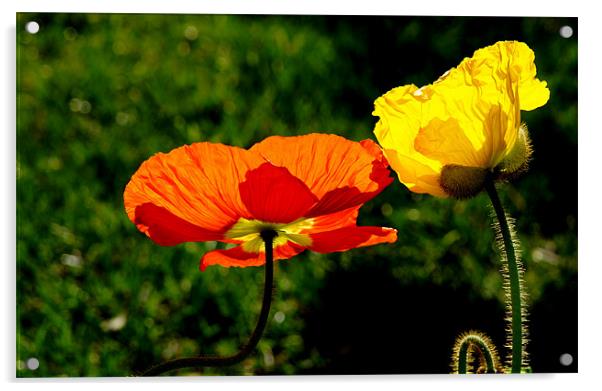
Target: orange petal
[237,257]
[344,239]
[340,172]
[273,195]
[329,222]
[197,183]
[373,149]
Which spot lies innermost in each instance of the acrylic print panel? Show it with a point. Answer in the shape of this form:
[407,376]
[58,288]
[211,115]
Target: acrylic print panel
[99,94]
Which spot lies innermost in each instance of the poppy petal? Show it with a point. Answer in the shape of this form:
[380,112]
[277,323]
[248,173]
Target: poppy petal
[272,194]
[515,60]
[330,222]
[166,229]
[344,239]
[238,257]
[197,183]
[415,175]
[340,172]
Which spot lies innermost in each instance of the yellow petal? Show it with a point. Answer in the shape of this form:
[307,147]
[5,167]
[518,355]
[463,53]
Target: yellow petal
[416,176]
[447,142]
[469,117]
[533,94]
[399,112]
[516,61]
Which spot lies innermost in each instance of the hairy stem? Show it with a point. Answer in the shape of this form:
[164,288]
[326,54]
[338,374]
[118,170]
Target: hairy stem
[218,361]
[474,341]
[514,282]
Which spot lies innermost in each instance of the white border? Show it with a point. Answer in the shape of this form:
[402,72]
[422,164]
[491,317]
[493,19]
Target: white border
[313,7]
[590,137]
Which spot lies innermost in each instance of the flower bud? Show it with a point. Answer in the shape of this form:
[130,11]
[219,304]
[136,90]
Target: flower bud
[461,181]
[517,161]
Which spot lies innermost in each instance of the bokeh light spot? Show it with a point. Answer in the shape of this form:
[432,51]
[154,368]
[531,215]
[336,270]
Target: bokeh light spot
[386,209]
[279,317]
[191,33]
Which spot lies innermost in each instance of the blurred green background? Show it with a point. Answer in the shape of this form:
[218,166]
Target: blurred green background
[98,94]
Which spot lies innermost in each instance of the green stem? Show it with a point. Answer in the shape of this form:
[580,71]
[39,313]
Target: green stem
[515,281]
[481,345]
[217,361]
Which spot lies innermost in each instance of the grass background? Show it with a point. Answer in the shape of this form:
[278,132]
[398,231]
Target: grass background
[99,93]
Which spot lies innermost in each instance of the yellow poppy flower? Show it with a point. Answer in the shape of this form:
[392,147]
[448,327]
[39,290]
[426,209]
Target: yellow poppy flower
[446,138]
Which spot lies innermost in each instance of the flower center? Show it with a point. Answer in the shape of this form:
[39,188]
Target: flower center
[249,233]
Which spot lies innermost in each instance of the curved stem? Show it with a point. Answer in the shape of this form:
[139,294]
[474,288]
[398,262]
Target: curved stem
[481,345]
[218,361]
[514,269]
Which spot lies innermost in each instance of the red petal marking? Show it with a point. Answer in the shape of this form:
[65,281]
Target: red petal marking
[343,239]
[272,194]
[346,197]
[339,199]
[340,172]
[166,229]
[237,257]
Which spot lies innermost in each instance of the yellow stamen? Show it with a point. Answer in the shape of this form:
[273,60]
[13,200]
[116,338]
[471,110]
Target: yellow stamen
[248,231]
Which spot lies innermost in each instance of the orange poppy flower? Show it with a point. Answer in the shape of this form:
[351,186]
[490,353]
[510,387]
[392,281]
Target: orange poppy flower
[308,189]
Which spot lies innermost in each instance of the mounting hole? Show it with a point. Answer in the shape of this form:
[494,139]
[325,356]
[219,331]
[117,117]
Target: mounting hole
[566,31]
[32,363]
[32,27]
[566,359]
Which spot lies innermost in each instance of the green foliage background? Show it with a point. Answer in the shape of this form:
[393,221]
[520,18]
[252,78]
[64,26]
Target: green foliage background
[98,94]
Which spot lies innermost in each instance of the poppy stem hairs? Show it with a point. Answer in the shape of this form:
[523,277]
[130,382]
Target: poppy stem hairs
[512,270]
[516,298]
[471,344]
[216,361]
